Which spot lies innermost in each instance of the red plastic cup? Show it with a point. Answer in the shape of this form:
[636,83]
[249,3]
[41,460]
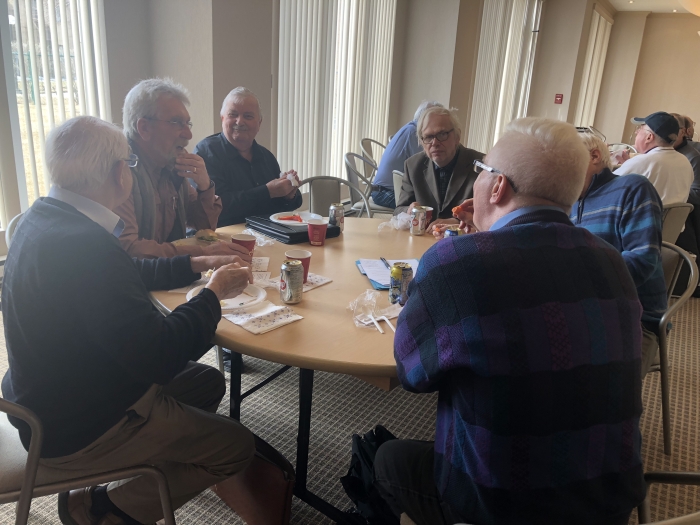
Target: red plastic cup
[317,231]
[428,214]
[245,240]
[300,255]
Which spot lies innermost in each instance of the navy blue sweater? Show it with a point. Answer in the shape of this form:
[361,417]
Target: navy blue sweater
[84,341]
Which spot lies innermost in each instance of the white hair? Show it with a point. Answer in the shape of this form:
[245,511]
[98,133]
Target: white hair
[592,142]
[425,105]
[142,100]
[438,110]
[239,93]
[82,151]
[545,159]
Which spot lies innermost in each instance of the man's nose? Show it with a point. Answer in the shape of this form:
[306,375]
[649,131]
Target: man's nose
[186,133]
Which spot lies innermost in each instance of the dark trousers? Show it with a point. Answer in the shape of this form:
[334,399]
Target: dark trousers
[403,472]
[384,197]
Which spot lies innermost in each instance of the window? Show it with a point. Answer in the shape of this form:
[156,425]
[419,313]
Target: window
[334,80]
[59,71]
[504,68]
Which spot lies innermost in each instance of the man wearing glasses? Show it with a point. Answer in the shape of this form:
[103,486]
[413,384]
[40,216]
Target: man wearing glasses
[441,176]
[669,171]
[163,203]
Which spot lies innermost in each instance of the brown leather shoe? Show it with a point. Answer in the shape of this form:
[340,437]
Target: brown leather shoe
[110,519]
[74,507]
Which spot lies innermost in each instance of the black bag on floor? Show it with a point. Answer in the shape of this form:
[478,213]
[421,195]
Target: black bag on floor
[359,482]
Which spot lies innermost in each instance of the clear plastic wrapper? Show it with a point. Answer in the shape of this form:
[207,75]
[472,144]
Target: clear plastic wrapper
[363,309]
[402,221]
[260,239]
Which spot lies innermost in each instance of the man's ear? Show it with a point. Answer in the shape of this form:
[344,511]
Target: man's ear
[143,127]
[116,174]
[596,155]
[499,189]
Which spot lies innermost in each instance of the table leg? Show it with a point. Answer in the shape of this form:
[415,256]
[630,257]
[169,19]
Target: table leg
[235,389]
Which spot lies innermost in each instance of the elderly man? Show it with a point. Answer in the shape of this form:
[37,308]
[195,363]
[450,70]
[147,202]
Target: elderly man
[627,213]
[112,380]
[401,147]
[162,203]
[529,330]
[441,176]
[247,175]
[690,133]
[669,172]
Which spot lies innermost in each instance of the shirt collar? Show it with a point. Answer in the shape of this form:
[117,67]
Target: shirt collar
[500,223]
[94,211]
[232,149]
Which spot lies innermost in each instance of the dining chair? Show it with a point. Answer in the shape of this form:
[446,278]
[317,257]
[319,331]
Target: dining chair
[325,190]
[673,220]
[672,259]
[11,227]
[398,183]
[669,478]
[18,468]
[359,180]
[367,146]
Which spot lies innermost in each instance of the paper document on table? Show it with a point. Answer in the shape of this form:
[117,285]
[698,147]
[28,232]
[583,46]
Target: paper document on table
[263,276]
[260,264]
[377,271]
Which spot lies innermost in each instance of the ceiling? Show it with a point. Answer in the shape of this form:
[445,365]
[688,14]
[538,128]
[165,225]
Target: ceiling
[656,6]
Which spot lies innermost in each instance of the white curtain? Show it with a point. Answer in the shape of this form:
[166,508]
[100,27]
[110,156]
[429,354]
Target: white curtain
[334,79]
[60,64]
[504,68]
[597,50]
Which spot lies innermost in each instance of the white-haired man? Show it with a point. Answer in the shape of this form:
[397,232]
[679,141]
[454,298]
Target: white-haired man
[247,175]
[441,176]
[401,147]
[163,203]
[529,330]
[111,379]
[669,171]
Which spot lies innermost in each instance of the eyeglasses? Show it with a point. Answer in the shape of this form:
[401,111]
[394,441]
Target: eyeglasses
[480,166]
[637,130]
[441,137]
[132,161]
[175,122]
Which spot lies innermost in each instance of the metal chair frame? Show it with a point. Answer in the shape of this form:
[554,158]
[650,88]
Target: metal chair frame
[682,209]
[355,177]
[398,183]
[10,230]
[29,490]
[683,257]
[670,478]
[368,150]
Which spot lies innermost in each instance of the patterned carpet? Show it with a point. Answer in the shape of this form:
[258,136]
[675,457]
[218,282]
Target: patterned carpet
[344,405]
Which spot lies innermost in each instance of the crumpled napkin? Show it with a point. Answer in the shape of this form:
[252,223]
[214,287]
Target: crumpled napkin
[402,221]
[263,317]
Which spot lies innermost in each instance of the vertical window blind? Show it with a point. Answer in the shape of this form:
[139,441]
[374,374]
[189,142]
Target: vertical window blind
[504,68]
[334,79]
[592,76]
[60,71]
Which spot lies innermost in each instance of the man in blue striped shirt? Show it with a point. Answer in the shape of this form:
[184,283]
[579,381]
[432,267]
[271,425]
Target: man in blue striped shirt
[627,213]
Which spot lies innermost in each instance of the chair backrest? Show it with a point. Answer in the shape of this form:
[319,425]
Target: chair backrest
[370,152]
[356,178]
[674,216]
[324,191]
[11,227]
[672,259]
[398,182]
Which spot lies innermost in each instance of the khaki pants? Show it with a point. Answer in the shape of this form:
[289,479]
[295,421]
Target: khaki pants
[650,349]
[169,428]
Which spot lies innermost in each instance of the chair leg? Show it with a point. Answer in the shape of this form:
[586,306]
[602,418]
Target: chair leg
[167,504]
[665,409]
[644,510]
[220,358]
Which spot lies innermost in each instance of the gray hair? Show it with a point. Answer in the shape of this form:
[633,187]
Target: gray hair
[82,151]
[142,99]
[425,105]
[592,142]
[438,110]
[545,159]
[239,93]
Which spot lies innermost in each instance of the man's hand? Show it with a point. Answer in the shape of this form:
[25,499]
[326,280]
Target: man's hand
[230,280]
[438,227]
[619,157]
[466,216]
[227,248]
[203,263]
[192,166]
[293,193]
[280,188]
[411,206]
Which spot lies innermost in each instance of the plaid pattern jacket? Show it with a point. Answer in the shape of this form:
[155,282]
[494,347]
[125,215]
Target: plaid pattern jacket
[531,335]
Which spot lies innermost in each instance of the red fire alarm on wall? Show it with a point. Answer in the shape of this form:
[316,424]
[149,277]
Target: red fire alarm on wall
[558,98]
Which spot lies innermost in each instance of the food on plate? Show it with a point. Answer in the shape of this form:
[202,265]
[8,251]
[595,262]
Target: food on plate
[291,218]
[207,236]
[208,273]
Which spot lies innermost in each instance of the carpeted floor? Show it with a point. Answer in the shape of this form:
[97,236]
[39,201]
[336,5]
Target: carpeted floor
[344,405]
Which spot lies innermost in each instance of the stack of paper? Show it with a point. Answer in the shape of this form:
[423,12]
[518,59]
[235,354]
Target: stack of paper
[377,272]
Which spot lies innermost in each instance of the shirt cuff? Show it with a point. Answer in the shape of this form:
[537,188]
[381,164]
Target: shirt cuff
[183,268]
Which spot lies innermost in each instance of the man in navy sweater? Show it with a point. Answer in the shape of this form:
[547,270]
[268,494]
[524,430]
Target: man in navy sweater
[112,380]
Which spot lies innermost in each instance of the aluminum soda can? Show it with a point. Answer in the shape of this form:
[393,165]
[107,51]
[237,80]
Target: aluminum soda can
[401,276]
[418,220]
[291,281]
[336,215]
[452,231]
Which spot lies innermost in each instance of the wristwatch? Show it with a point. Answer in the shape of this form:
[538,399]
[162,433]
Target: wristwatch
[211,185]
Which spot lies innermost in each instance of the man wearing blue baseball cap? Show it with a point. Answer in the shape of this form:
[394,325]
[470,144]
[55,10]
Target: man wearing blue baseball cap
[669,171]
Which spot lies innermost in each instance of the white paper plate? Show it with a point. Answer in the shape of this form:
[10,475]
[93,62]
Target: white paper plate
[305,216]
[193,241]
[252,295]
